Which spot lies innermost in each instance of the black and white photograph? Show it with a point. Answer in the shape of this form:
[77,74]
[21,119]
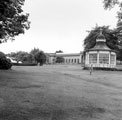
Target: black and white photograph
[61,60]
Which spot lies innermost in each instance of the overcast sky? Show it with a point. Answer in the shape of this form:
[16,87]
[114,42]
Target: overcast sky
[60,25]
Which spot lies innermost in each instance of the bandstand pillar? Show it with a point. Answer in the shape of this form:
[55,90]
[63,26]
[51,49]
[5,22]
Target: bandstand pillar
[98,58]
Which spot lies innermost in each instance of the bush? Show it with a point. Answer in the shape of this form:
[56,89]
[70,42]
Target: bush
[2,55]
[4,62]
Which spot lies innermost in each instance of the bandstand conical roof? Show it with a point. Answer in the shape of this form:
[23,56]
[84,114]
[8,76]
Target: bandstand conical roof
[100,43]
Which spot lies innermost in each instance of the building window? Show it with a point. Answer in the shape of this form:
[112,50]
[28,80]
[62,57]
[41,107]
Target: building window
[112,61]
[72,60]
[92,58]
[69,60]
[104,58]
[78,60]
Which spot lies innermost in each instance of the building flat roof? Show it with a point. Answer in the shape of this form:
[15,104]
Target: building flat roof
[63,54]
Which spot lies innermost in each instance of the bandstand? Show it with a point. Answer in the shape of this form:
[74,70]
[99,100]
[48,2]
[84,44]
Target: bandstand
[100,56]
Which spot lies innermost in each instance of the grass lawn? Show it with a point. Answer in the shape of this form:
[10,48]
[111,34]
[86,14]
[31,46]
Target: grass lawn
[60,92]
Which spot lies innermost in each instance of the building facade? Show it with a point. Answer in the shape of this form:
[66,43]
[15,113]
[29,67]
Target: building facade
[69,58]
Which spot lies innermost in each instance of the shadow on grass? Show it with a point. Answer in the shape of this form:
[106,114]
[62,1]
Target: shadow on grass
[51,113]
[27,86]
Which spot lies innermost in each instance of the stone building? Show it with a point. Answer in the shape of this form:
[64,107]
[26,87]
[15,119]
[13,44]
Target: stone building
[69,58]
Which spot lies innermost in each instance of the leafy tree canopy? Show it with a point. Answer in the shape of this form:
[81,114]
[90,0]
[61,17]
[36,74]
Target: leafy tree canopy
[12,19]
[110,36]
[59,51]
[34,51]
[109,4]
[112,39]
[40,57]
[32,57]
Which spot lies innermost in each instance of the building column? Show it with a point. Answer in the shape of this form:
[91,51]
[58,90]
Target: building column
[74,61]
[110,59]
[98,62]
[69,61]
[85,58]
[81,59]
[77,61]
[115,60]
[88,57]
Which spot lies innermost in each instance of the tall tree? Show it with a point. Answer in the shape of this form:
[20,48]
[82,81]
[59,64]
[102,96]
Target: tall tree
[109,4]
[34,51]
[110,36]
[20,55]
[12,19]
[59,51]
[40,57]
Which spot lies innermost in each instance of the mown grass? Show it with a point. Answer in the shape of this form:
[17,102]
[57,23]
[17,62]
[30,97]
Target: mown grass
[59,93]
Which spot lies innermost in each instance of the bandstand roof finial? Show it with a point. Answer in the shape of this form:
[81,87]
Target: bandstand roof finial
[101,30]
[101,36]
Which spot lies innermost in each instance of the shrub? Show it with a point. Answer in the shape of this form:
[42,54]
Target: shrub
[2,55]
[4,62]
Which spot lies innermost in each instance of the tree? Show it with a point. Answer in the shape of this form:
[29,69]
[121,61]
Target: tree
[40,57]
[25,57]
[12,54]
[59,59]
[59,51]
[19,56]
[34,51]
[109,4]
[110,36]
[12,19]
[28,58]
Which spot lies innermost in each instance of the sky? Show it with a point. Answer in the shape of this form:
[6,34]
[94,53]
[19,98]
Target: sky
[60,25]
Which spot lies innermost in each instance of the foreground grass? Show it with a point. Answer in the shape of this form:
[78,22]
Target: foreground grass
[60,93]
